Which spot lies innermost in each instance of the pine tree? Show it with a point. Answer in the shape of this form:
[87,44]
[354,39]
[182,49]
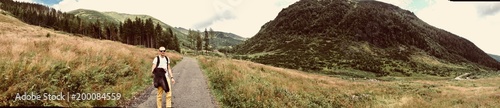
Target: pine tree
[139,29]
[79,25]
[120,32]
[127,31]
[158,33]
[97,29]
[115,33]
[171,40]
[212,33]
[207,39]
[167,38]
[107,32]
[192,38]
[150,29]
[177,46]
[199,41]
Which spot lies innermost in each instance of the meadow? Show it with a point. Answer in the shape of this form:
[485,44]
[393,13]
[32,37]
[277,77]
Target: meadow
[40,60]
[238,83]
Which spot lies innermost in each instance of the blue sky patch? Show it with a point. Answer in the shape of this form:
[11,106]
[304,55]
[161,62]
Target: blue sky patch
[417,5]
[48,2]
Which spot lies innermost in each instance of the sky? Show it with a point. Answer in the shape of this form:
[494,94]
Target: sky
[478,22]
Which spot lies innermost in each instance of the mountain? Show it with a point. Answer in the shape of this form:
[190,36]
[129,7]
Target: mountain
[116,18]
[226,40]
[229,35]
[93,16]
[377,38]
[221,39]
[496,57]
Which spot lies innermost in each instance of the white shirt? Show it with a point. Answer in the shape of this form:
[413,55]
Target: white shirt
[163,63]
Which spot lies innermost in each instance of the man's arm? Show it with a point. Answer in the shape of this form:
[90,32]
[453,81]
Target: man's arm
[170,71]
[171,74]
[153,67]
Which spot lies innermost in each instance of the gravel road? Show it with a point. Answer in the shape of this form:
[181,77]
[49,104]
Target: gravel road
[189,91]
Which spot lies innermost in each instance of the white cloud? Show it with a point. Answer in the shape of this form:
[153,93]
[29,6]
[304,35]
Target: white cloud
[242,17]
[464,20]
[251,15]
[485,9]
[475,21]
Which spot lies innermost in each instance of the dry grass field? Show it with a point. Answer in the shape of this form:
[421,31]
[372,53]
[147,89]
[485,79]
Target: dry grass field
[39,60]
[237,83]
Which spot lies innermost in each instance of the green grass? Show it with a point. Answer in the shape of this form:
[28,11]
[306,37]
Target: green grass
[237,83]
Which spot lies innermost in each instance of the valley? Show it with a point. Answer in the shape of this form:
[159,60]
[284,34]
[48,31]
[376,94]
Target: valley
[313,54]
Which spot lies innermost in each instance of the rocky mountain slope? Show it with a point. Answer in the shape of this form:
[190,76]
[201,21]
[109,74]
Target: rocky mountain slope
[377,38]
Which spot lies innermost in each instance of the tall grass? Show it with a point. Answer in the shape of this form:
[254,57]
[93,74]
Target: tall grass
[32,62]
[237,83]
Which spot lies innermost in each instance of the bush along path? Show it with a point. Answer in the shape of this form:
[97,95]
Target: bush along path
[189,91]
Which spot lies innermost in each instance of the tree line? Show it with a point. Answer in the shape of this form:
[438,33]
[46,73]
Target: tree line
[141,32]
[200,42]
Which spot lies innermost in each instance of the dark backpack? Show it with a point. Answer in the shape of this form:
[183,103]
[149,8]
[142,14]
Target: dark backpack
[158,61]
[158,73]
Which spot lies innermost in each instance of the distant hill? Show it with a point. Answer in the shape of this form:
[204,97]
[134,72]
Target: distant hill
[226,40]
[496,57]
[379,38]
[229,35]
[182,30]
[121,17]
[93,16]
[221,39]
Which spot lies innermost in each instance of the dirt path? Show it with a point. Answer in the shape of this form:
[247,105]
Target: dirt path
[460,77]
[189,91]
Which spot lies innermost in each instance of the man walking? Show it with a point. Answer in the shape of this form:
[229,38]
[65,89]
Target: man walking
[161,70]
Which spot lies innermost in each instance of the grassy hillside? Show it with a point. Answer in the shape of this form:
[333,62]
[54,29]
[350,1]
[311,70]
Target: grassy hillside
[373,37]
[39,60]
[92,16]
[221,39]
[496,57]
[226,40]
[237,83]
[121,17]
